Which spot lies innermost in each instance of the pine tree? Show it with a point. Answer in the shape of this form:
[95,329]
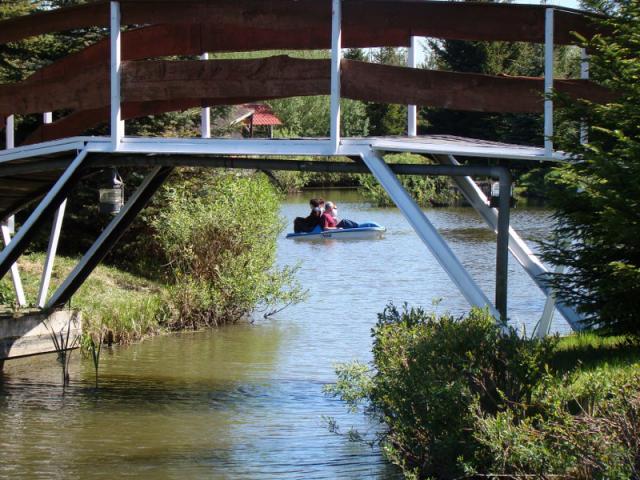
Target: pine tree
[598,196]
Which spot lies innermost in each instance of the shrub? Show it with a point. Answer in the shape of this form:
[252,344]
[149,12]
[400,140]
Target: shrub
[219,239]
[433,373]
[588,427]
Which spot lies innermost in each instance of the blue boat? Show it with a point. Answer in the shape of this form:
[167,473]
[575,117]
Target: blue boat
[365,231]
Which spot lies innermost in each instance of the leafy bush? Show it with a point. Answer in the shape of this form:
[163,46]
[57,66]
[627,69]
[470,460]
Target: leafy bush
[219,239]
[432,374]
[458,397]
[588,427]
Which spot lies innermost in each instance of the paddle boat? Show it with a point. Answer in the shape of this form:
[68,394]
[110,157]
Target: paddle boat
[365,231]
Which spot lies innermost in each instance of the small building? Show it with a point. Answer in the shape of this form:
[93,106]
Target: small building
[257,119]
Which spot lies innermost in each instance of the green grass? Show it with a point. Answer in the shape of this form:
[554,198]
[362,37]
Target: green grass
[588,352]
[128,306]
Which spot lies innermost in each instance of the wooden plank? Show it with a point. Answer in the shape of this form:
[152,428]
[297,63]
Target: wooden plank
[361,18]
[58,20]
[181,39]
[81,90]
[273,77]
[197,83]
[456,91]
[466,20]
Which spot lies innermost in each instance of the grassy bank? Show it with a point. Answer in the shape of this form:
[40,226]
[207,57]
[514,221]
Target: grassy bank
[459,399]
[129,306]
[206,250]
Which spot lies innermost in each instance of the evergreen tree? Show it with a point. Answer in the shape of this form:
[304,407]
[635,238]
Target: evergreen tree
[598,197]
[495,58]
[355,54]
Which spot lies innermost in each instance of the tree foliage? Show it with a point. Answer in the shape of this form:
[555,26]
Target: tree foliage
[459,398]
[494,58]
[598,196]
[219,239]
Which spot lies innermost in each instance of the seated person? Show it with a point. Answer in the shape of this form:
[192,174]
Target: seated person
[310,223]
[342,223]
[327,220]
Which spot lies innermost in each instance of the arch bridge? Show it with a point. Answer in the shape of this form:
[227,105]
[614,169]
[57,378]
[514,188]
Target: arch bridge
[126,75]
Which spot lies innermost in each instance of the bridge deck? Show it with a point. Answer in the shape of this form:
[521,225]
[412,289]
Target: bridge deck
[26,173]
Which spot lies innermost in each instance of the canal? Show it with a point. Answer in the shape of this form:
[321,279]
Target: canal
[246,401]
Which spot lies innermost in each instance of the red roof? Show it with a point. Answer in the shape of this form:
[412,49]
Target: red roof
[263,115]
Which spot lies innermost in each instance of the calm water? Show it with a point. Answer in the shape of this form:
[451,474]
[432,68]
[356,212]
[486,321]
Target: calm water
[246,401]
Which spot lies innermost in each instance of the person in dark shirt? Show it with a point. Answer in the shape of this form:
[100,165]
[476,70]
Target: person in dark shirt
[313,220]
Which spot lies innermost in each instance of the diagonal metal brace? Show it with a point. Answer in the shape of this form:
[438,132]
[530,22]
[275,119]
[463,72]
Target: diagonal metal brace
[15,272]
[518,248]
[110,236]
[49,203]
[427,232]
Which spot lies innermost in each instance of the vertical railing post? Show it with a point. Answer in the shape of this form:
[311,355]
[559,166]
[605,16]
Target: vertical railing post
[548,82]
[15,273]
[9,132]
[117,125]
[412,112]
[584,74]
[45,280]
[336,57]
[205,113]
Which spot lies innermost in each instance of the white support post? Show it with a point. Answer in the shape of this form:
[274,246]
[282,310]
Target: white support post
[517,246]
[544,324]
[205,114]
[412,111]
[584,74]
[548,82]
[336,57]
[117,124]
[427,232]
[47,118]
[15,273]
[51,255]
[9,133]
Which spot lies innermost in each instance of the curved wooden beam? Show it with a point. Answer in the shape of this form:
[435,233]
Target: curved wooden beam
[457,91]
[145,81]
[448,20]
[58,20]
[178,39]
[222,81]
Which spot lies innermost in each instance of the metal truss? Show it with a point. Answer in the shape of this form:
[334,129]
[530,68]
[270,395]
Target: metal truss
[49,203]
[109,236]
[517,246]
